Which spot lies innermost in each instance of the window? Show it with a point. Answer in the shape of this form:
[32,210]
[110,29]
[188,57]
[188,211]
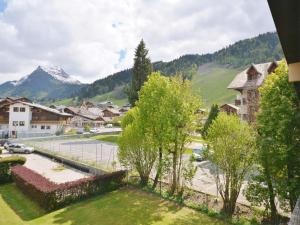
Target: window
[43,127]
[33,126]
[22,123]
[22,109]
[48,127]
[16,109]
[15,123]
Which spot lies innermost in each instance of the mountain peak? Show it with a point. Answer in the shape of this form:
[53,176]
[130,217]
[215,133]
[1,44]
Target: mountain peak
[58,73]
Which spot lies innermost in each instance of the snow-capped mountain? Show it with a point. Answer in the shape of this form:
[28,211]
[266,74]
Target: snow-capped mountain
[42,83]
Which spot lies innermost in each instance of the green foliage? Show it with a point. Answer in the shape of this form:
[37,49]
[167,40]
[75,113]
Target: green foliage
[136,150]
[5,166]
[279,127]
[108,138]
[233,151]
[257,192]
[87,128]
[142,68]
[213,113]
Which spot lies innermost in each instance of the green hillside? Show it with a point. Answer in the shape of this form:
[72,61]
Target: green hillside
[212,81]
[215,72]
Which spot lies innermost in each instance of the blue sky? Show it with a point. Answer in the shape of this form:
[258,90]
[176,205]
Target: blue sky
[92,39]
[2,5]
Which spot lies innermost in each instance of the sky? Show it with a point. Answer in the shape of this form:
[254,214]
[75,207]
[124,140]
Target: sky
[91,39]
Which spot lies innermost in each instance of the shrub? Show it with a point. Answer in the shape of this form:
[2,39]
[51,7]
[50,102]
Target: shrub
[50,195]
[0,151]
[5,167]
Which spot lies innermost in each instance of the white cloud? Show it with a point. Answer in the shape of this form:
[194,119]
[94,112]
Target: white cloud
[86,37]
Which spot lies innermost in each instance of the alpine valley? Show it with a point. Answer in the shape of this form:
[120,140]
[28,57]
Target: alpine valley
[214,73]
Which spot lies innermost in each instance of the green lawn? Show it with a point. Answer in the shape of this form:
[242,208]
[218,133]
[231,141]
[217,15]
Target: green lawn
[107,138]
[122,207]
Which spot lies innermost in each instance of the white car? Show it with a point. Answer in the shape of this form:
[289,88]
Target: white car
[198,152]
[20,148]
[109,125]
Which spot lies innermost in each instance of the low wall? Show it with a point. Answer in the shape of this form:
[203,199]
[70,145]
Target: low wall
[74,164]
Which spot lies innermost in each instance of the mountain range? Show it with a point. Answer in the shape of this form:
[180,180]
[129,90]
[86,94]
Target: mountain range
[43,83]
[215,71]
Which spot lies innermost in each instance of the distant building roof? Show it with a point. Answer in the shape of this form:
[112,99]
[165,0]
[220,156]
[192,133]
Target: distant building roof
[241,80]
[55,111]
[26,101]
[230,105]
[85,113]
[114,111]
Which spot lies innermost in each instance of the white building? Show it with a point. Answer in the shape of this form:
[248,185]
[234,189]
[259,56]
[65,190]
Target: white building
[20,118]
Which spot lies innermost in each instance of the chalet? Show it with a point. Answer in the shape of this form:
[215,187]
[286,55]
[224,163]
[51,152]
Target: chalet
[229,109]
[87,104]
[19,117]
[247,83]
[83,117]
[110,113]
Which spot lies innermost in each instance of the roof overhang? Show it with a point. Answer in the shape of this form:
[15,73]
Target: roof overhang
[286,16]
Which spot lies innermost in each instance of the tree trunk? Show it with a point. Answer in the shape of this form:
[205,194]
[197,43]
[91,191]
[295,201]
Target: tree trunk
[144,180]
[174,176]
[159,168]
[274,215]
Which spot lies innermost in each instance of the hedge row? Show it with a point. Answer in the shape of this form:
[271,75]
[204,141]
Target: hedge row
[5,167]
[50,195]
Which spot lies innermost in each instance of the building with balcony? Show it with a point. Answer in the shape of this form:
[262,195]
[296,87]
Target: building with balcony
[247,84]
[20,117]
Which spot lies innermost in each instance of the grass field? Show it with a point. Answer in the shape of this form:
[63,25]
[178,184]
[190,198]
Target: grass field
[107,138]
[122,207]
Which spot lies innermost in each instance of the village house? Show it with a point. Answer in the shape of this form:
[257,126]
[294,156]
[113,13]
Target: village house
[230,109]
[83,117]
[20,117]
[247,83]
[110,113]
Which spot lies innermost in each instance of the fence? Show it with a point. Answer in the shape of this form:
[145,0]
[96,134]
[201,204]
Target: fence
[92,152]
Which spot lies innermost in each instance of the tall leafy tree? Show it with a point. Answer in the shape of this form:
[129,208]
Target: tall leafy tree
[151,106]
[278,125]
[142,68]
[233,151]
[136,150]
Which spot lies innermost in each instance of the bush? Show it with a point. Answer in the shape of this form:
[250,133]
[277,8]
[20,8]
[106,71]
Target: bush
[5,167]
[0,151]
[50,195]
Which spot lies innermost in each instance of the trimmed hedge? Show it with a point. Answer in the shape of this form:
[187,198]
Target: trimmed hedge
[50,195]
[5,167]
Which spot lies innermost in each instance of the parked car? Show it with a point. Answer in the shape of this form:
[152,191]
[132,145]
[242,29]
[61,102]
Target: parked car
[94,130]
[198,152]
[7,144]
[2,142]
[20,148]
[109,125]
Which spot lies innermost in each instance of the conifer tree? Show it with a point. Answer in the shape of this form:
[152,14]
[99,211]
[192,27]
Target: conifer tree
[142,68]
